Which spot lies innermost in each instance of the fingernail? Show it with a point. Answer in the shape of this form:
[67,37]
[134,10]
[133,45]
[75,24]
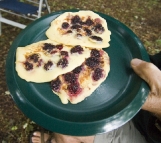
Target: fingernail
[34,133]
[135,62]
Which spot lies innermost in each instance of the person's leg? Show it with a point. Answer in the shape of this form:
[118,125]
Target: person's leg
[60,138]
[125,134]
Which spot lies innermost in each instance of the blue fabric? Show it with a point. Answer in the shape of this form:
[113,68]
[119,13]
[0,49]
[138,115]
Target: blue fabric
[18,7]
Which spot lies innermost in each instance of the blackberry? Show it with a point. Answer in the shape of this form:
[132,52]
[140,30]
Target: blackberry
[53,52]
[88,32]
[74,89]
[78,30]
[55,84]
[70,77]
[76,26]
[64,53]
[92,62]
[96,38]
[39,63]
[79,36]
[78,69]
[97,20]
[89,22]
[28,66]
[60,46]
[95,53]
[77,49]
[98,73]
[48,65]
[82,23]
[34,58]
[69,31]
[48,47]
[62,63]
[98,28]
[75,20]
[65,25]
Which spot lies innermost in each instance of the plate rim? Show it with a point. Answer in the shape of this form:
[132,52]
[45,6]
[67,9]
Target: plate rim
[100,126]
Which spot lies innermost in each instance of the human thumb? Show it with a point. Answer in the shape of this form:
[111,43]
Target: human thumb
[147,71]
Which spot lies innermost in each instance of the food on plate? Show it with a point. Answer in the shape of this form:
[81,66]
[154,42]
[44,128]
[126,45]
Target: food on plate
[45,60]
[84,28]
[72,59]
[76,85]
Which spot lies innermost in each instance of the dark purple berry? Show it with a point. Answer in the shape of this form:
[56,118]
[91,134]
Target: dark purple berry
[98,20]
[88,32]
[92,62]
[48,47]
[76,26]
[48,65]
[77,70]
[28,66]
[96,38]
[95,53]
[64,53]
[39,63]
[70,77]
[75,20]
[98,73]
[62,63]
[89,22]
[79,36]
[53,52]
[60,46]
[55,84]
[74,89]
[77,49]
[82,23]
[34,58]
[98,28]
[65,25]
[69,31]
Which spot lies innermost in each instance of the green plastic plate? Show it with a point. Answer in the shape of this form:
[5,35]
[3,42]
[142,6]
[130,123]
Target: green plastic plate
[114,103]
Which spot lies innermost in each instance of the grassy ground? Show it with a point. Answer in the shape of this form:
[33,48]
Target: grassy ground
[143,17]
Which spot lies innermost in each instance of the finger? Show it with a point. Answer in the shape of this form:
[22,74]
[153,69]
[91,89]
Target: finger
[150,73]
[37,133]
[36,137]
[36,140]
